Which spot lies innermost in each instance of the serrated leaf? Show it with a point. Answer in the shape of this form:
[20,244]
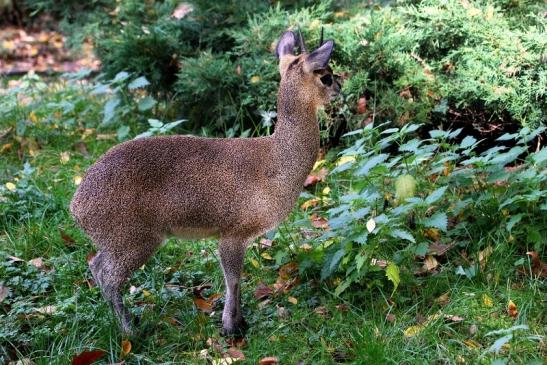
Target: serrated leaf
[514,220]
[405,187]
[109,109]
[393,275]
[154,123]
[138,83]
[120,76]
[540,156]
[146,103]
[405,235]
[468,141]
[330,265]
[371,163]
[122,132]
[438,220]
[435,195]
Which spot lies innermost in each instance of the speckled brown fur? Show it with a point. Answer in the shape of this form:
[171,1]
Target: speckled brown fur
[144,190]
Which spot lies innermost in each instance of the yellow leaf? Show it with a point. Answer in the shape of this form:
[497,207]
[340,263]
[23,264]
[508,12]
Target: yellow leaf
[255,263]
[473,11]
[318,164]
[255,79]
[293,300]
[11,186]
[126,348]
[405,187]
[65,157]
[77,180]
[326,191]
[146,293]
[345,159]
[413,330]
[471,344]
[266,256]
[306,247]
[487,301]
[32,116]
[6,147]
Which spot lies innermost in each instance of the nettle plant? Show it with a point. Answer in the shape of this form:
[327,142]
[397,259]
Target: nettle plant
[403,194]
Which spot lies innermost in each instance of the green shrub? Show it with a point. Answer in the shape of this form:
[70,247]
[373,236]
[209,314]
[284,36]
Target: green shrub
[399,197]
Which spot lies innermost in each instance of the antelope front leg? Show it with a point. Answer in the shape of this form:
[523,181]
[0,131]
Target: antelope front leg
[232,252]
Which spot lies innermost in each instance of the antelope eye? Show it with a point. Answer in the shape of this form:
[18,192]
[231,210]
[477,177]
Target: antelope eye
[327,80]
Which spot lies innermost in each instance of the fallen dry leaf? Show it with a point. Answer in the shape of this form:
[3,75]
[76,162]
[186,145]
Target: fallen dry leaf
[472,344]
[224,361]
[288,270]
[380,263]
[263,291]
[512,309]
[413,330]
[90,257]
[322,310]
[265,243]
[439,249]
[3,293]
[433,233]
[390,317]
[69,241]
[430,263]
[362,105]
[235,353]
[342,307]
[371,224]
[292,300]
[310,203]
[203,305]
[443,299]
[453,318]
[88,357]
[538,267]
[483,256]
[269,361]
[487,301]
[319,222]
[126,348]
[282,312]
[316,177]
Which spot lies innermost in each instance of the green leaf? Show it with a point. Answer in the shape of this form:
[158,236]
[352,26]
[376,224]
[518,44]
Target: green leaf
[393,275]
[540,156]
[514,220]
[120,76]
[468,141]
[147,103]
[123,132]
[330,265]
[138,83]
[400,233]
[405,187]
[438,220]
[421,249]
[109,109]
[436,195]
[371,163]
[154,123]
[496,347]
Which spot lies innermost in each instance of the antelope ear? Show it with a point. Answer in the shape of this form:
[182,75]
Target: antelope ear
[319,58]
[286,45]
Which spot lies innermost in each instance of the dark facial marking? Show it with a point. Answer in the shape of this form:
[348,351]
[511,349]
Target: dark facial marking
[326,79]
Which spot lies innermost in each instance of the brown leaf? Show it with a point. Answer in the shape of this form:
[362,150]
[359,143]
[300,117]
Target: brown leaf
[362,105]
[214,344]
[538,267]
[235,353]
[433,233]
[69,241]
[88,357]
[484,254]
[3,293]
[282,312]
[319,222]
[453,318]
[512,309]
[315,177]
[322,311]
[390,317]
[443,299]
[90,257]
[126,348]
[380,263]
[269,361]
[288,270]
[430,263]
[263,291]
[203,305]
[82,148]
[237,342]
[310,203]
[439,249]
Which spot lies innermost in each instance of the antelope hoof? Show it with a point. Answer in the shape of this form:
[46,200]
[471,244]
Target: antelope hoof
[236,330]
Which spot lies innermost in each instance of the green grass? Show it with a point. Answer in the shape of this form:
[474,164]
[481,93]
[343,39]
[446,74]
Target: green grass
[366,325]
